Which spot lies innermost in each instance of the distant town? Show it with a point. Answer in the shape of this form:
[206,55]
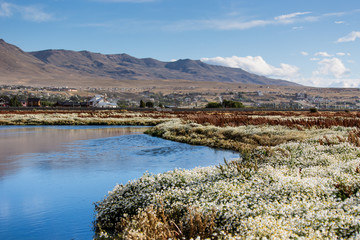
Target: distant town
[284,98]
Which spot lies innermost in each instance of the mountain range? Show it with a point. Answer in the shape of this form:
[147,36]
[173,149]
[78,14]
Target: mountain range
[63,67]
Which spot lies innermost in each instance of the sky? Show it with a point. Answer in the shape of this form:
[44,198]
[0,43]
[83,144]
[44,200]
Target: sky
[314,43]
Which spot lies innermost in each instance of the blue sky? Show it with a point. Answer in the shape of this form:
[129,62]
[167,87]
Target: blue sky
[315,43]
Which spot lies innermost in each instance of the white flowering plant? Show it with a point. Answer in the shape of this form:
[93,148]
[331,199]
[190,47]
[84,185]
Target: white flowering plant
[304,189]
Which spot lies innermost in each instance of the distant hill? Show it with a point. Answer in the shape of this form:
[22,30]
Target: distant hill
[14,60]
[61,65]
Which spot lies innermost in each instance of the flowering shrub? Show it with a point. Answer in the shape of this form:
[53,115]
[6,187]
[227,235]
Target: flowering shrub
[296,189]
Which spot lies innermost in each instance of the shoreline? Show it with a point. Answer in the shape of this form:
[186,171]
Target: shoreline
[294,179]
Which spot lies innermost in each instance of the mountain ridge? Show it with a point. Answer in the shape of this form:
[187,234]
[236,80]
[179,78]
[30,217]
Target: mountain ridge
[57,63]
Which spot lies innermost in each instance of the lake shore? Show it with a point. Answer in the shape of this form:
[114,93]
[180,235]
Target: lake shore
[298,177]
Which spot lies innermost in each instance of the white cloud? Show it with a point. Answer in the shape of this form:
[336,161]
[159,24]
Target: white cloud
[232,22]
[255,65]
[289,17]
[341,54]
[35,14]
[5,9]
[322,54]
[304,53]
[332,66]
[339,22]
[233,25]
[314,59]
[282,19]
[346,83]
[318,81]
[30,13]
[351,37]
[236,24]
[298,28]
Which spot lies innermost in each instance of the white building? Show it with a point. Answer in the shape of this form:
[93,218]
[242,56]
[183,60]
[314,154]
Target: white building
[100,102]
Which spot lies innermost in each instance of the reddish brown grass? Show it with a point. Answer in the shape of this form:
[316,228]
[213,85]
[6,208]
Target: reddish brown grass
[239,119]
[304,119]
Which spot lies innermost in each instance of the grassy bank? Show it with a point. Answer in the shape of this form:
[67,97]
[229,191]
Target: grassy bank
[240,138]
[290,183]
[83,118]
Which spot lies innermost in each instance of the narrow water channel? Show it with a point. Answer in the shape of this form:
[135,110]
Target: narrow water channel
[51,176]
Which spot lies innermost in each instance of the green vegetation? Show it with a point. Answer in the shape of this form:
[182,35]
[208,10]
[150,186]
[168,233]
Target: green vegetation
[14,102]
[313,110]
[142,104]
[149,104]
[232,104]
[213,105]
[47,103]
[225,104]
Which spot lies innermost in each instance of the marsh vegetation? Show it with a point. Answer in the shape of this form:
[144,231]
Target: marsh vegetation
[298,176]
[296,179]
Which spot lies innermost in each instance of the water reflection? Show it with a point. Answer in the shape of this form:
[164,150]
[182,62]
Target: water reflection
[16,141]
[52,188]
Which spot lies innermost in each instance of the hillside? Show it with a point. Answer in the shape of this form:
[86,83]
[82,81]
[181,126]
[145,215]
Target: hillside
[125,67]
[63,67]
[14,60]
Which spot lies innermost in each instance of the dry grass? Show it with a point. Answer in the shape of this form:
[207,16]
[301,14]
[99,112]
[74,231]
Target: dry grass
[154,223]
[99,117]
[297,120]
[243,139]
[291,119]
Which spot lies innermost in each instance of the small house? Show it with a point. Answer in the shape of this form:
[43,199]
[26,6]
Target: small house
[33,102]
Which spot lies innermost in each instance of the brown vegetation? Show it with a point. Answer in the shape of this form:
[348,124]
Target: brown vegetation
[154,223]
[297,120]
[292,119]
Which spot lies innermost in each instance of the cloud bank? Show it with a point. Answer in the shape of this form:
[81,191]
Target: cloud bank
[255,65]
[329,82]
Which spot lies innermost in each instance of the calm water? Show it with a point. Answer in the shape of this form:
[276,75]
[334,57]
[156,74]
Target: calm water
[51,176]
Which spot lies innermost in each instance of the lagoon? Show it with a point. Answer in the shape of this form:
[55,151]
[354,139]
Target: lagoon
[50,176]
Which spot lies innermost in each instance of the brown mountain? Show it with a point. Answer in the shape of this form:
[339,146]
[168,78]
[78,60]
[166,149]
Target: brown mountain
[19,67]
[61,67]
[14,60]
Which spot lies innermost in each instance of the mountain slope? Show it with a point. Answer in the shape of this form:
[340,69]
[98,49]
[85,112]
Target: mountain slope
[64,66]
[125,67]
[13,59]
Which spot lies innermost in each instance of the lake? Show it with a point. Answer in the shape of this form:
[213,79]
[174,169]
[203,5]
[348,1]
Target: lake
[50,176]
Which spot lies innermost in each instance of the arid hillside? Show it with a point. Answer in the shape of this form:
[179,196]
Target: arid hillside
[84,69]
